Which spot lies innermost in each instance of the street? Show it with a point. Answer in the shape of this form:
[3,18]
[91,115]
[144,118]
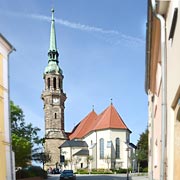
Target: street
[90,177]
[101,177]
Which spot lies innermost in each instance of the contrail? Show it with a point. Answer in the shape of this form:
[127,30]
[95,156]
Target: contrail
[111,36]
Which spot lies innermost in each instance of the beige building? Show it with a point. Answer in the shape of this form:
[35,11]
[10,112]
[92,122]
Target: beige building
[163,88]
[6,162]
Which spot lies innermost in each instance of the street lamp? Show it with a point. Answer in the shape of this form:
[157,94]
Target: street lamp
[127,160]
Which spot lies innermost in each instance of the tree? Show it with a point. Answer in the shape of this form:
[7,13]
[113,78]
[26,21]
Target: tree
[40,156]
[142,150]
[24,136]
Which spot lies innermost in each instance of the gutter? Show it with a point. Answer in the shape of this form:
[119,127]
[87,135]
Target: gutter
[164,87]
[12,160]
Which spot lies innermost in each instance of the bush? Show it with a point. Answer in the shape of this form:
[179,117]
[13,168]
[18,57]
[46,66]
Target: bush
[32,171]
[121,171]
[82,171]
[145,169]
[101,171]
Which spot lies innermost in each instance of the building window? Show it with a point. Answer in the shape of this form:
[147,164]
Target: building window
[91,142]
[117,148]
[173,25]
[48,83]
[101,148]
[55,115]
[54,83]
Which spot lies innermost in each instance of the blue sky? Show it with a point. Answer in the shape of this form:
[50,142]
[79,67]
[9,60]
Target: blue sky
[102,54]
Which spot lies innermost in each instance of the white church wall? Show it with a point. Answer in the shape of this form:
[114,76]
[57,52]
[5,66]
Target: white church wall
[109,137]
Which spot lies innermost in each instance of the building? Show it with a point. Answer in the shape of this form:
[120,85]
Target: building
[107,138]
[163,88]
[98,141]
[6,157]
[53,98]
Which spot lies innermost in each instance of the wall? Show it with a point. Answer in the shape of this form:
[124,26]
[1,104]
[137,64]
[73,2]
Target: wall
[6,170]
[109,152]
[173,83]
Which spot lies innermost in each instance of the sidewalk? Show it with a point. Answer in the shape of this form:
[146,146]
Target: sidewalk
[139,177]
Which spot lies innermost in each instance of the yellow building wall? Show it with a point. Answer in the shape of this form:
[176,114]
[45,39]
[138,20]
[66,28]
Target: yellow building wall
[2,144]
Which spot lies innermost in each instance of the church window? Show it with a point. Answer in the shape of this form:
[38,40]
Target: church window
[117,148]
[54,83]
[48,83]
[101,148]
[91,142]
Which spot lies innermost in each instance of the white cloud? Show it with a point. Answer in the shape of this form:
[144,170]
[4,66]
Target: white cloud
[111,36]
[88,28]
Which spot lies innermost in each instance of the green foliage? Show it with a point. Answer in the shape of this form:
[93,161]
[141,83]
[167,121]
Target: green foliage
[32,171]
[142,151]
[22,149]
[24,136]
[82,171]
[101,171]
[121,170]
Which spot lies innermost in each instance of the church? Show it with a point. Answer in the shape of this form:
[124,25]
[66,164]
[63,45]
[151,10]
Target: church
[99,141]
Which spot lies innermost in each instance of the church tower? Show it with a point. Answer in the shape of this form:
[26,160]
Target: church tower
[53,98]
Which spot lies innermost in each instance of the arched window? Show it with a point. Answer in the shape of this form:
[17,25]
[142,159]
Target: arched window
[117,148]
[54,83]
[101,148]
[48,83]
[59,84]
[55,116]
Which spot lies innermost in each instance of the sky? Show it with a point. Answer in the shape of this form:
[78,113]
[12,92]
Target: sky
[101,45]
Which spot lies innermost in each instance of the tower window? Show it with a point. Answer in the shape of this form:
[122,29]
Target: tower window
[54,83]
[59,84]
[48,83]
[55,116]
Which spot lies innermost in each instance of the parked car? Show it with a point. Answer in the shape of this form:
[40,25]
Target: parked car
[56,171]
[67,174]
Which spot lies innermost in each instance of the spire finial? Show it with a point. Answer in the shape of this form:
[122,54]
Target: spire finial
[92,107]
[111,101]
[52,10]
[53,45]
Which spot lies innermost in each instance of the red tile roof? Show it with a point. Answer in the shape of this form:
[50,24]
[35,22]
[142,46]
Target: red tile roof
[84,127]
[108,119]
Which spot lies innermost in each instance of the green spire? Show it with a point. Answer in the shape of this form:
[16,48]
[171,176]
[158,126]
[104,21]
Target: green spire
[53,34]
[53,54]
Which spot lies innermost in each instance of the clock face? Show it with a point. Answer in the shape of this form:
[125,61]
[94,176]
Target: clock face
[55,100]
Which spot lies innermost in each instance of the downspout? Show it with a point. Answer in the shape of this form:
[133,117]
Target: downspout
[9,110]
[96,150]
[164,90]
[152,142]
